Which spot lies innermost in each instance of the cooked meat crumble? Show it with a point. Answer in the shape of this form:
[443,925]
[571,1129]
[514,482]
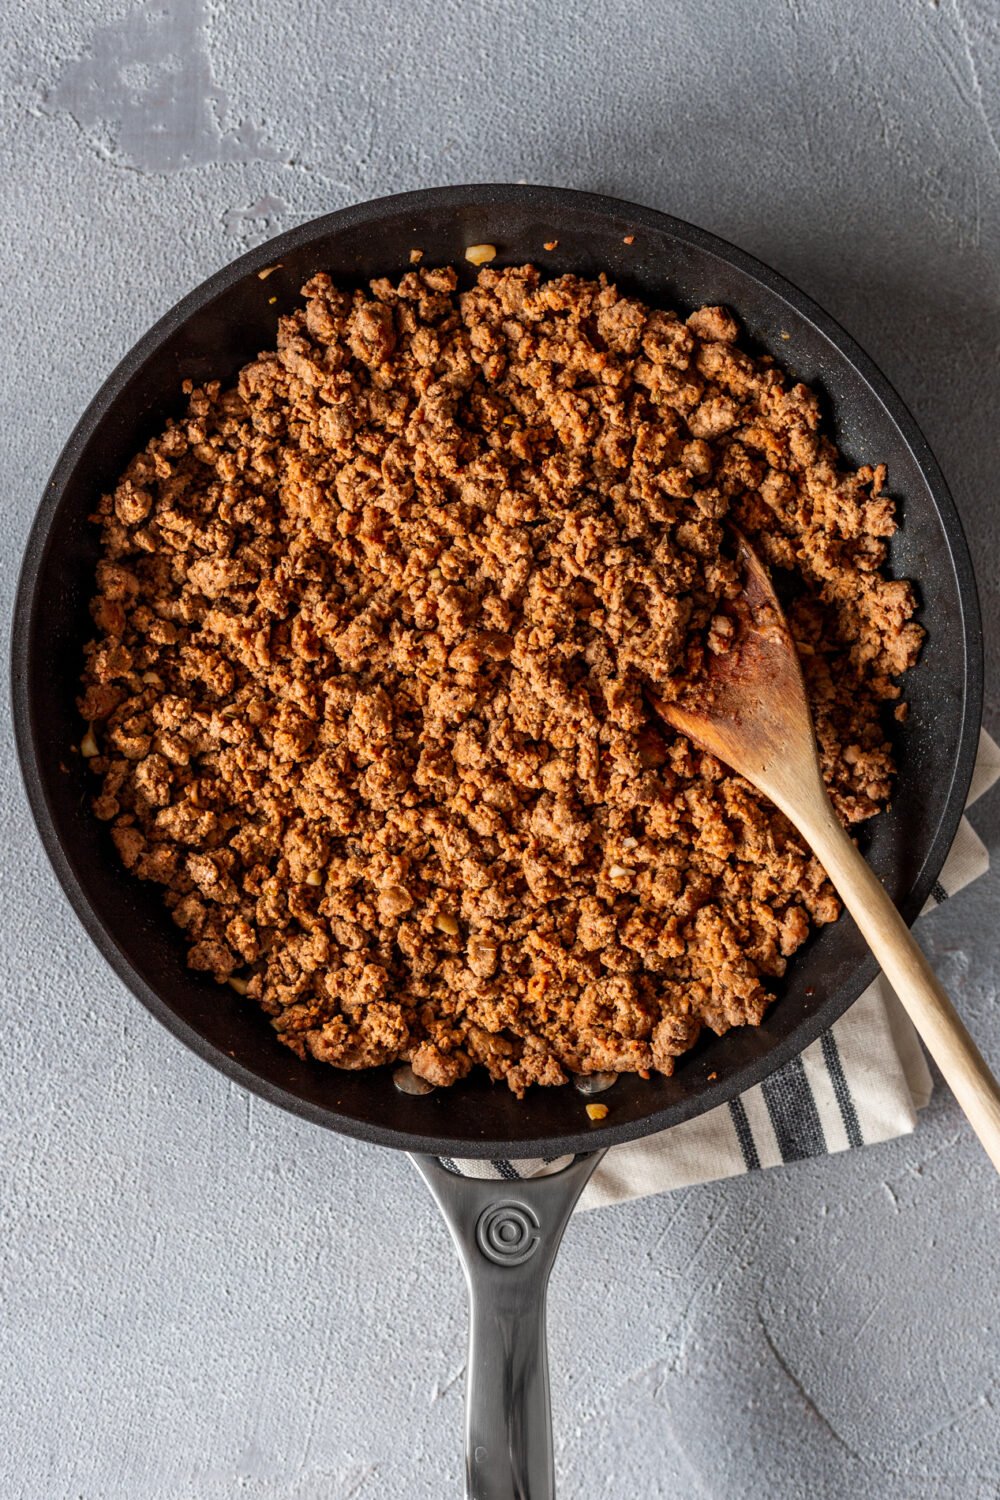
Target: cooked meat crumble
[374,628]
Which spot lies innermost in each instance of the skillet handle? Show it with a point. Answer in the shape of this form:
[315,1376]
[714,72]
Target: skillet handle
[507,1235]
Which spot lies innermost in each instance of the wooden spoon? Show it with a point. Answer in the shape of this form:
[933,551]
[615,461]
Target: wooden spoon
[750,710]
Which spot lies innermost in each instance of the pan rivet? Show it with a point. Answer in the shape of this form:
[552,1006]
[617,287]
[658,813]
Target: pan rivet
[594,1083]
[408,1083]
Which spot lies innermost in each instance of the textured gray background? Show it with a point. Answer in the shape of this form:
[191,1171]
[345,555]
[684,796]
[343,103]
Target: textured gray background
[204,1298]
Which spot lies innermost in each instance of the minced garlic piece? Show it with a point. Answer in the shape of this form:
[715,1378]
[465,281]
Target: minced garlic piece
[479,255]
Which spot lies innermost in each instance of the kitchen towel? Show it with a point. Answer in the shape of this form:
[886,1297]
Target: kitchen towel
[862,1081]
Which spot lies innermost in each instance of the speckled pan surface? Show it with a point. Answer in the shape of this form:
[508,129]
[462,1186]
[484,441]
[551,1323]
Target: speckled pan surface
[226,321]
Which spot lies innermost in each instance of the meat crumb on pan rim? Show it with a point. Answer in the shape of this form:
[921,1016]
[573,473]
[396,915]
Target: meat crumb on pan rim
[366,694]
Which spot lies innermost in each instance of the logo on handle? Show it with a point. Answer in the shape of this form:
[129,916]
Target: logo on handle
[507,1233]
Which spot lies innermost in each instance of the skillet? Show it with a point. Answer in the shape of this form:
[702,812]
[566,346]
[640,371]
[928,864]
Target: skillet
[507,1237]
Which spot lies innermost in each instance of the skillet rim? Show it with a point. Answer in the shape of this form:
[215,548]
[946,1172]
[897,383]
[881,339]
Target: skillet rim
[101,408]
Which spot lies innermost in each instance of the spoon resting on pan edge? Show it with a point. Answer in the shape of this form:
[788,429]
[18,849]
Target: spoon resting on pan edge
[750,711]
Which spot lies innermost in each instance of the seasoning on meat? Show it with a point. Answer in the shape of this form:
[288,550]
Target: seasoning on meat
[373,631]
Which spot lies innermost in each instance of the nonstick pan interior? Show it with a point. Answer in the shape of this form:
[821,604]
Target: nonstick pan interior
[226,322]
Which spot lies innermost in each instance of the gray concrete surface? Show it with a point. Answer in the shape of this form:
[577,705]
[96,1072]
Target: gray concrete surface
[203,1298]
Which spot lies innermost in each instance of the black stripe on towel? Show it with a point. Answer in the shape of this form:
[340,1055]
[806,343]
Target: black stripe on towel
[744,1134]
[938,892]
[793,1112]
[841,1091]
[506,1171]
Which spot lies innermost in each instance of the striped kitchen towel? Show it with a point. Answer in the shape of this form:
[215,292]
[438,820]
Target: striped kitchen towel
[862,1082]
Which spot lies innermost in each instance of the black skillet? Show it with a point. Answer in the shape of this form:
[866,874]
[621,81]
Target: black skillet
[507,1237]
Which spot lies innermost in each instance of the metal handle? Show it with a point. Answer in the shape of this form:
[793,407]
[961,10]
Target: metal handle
[507,1235]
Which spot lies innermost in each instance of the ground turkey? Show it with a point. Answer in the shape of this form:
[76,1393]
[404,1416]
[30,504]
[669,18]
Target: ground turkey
[373,628]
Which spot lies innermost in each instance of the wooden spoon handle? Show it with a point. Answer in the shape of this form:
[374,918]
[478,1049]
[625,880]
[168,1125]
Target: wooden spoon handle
[913,979]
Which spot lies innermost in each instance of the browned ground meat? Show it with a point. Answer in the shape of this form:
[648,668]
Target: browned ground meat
[373,629]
